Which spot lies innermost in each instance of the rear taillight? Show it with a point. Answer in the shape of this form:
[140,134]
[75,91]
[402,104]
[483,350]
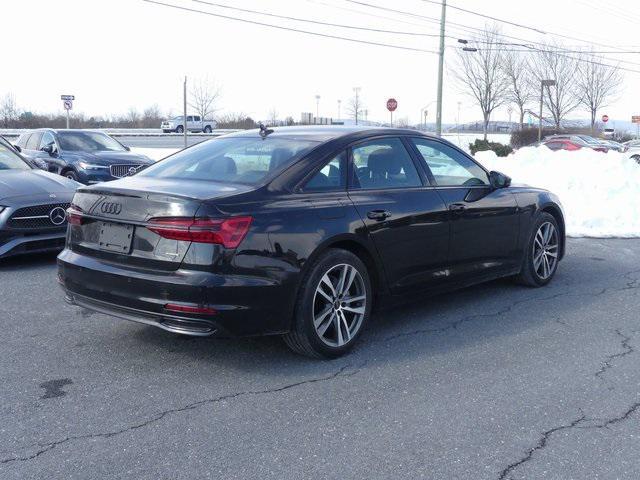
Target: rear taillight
[183,308]
[228,232]
[74,216]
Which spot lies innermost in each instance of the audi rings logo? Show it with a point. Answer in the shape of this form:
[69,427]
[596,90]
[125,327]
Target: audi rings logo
[111,208]
[58,216]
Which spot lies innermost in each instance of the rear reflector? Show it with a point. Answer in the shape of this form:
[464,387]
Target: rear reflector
[74,217]
[174,307]
[228,231]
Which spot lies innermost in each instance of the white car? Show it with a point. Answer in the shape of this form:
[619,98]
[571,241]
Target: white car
[194,124]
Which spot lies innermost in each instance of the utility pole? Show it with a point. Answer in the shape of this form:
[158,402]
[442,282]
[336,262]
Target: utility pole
[184,120]
[440,69]
[339,104]
[317,107]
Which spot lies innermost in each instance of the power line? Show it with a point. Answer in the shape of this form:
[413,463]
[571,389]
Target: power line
[519,25]
[316,22]
[290,29]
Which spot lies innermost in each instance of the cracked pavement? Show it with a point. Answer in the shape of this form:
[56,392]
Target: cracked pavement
[496,381]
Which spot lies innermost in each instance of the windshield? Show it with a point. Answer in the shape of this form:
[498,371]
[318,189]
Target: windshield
[232,159]
[88,142]
[9,160]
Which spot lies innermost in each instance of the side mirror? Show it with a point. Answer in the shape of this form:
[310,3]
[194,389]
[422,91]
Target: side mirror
[48,149]
[18,148]
[499,180]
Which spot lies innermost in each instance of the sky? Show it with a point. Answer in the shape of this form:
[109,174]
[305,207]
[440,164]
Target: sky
[114,55]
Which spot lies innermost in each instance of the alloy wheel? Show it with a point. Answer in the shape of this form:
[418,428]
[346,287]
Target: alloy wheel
[545,250]
[339,305]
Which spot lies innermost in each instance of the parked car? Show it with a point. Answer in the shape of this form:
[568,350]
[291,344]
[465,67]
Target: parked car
[583,140]
[299,230]
[613,145]
[571,145]
[85,156]
[194,124]
[33,205]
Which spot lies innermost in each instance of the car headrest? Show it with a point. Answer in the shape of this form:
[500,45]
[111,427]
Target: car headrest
[278,157]
[382,162]
[224,165]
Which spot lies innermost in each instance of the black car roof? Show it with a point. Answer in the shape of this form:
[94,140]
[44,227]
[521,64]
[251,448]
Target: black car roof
[324,133]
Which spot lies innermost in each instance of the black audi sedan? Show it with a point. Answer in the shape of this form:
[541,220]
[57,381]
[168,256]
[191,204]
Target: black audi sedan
[298,231]
[33,205]
[85,156]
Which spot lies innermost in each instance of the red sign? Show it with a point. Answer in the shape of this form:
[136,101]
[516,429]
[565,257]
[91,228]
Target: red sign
[392,104]
[605,118]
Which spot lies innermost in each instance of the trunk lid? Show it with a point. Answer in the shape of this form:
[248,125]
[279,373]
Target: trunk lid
[115,215]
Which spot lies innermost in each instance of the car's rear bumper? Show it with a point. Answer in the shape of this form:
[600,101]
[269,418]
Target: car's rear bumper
[13,243]
[240,304]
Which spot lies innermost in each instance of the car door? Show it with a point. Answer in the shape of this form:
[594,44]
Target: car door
[51,160]
[404,215]
[484,220]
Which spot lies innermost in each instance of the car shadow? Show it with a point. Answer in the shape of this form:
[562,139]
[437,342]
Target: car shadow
[28,261]
[416,328]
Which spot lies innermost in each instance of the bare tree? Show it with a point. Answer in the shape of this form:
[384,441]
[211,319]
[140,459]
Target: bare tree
[596,85]
[8,110]
[549,64]
[203,97]
[133,117]
[520,91]
[482,76]
[151,116]
[355,107]
[273,116]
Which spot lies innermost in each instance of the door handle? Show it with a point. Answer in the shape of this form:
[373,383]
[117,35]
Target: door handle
[378,214]
[457,207]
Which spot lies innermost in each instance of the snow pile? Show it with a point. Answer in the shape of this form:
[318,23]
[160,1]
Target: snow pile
[600,192]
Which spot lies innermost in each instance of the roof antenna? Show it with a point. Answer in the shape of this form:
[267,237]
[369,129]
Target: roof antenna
[264,131]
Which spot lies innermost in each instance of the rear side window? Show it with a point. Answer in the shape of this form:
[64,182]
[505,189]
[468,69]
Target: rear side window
[34,141]
[382,164]
[246,160]
[331,177]
[22,141]
[450,168]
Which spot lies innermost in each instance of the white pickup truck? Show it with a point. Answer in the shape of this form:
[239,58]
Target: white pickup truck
[194,124]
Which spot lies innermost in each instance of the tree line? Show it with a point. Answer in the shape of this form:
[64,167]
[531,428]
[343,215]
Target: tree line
[496,74]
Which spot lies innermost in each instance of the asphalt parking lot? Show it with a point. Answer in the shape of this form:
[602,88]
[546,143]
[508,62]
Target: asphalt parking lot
[493,382]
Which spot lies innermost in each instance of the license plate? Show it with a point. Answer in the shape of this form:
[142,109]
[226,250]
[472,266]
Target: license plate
[115,237]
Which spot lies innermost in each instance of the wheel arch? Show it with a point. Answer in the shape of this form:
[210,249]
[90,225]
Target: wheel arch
[556,213]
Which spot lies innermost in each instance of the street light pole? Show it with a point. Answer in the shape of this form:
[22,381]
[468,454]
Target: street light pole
[543,83]
[184,109]
[441,69]
[317,107]
[339,104]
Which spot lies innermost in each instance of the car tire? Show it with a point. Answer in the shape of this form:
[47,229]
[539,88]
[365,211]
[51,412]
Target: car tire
[328,319]
[207,129]
[539,263]
[71,175]
[180,129]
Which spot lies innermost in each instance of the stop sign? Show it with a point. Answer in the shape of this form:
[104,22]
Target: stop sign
[605,118]
[392,104]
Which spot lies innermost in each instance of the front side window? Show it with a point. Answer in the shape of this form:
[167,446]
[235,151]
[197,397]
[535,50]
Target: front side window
[88,142]
[47,139]
[449,167]
[246,160]
[383,163]
[330,177]
[10,161]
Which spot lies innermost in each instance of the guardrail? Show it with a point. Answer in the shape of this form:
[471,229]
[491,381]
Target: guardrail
[128,132]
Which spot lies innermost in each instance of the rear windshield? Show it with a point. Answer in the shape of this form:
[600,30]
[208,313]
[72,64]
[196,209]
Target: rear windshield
[88,142]
[232,159]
